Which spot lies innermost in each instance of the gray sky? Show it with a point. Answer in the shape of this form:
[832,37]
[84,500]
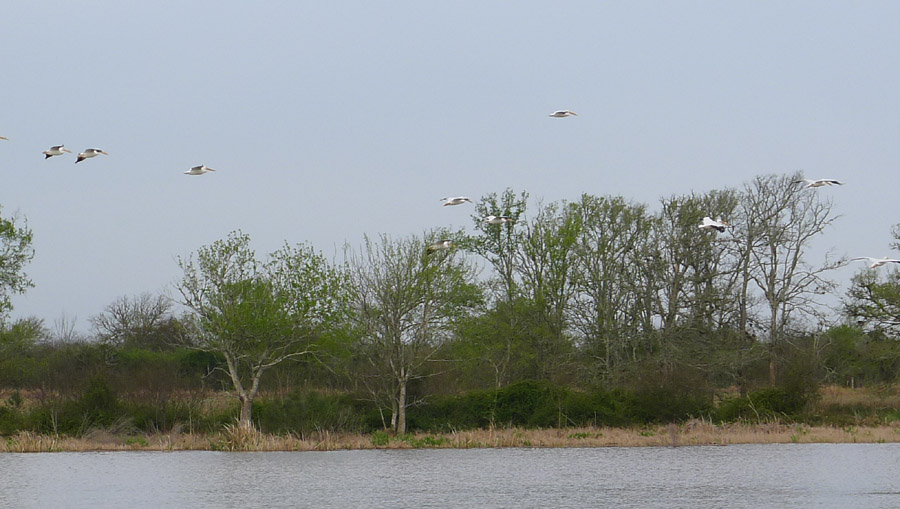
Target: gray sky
[328,120]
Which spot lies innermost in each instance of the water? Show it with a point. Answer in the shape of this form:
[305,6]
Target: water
[773,475]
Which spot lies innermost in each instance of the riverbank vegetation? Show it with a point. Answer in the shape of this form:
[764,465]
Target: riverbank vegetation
[556,326]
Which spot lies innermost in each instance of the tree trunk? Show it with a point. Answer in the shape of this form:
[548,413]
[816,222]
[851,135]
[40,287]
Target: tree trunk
[772,366]
[246,408]
[394,413]
[401,409]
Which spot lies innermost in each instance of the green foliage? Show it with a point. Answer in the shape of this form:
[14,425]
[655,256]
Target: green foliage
[857,358]
[535,404]
[258,314]
[763,404]
[11,420]
[380,438]
[99,405]
[15,252]
[307,411]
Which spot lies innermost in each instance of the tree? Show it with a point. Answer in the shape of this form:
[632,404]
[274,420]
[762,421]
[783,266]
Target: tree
[610,252]
[690,262]
[499,243]
[874,296]
[258,314]
[545,263]
[15,252]
[405,299]
[142,321]
[784,218]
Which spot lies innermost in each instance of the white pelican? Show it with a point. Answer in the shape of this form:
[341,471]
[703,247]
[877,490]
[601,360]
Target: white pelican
[458,200]
[440,245]
[709,224]
[55,150]
[563,113]
[499,219]
[199,170]
[89,153]
[877,262]
[819,182]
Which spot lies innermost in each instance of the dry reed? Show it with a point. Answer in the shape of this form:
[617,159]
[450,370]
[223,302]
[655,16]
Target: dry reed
[123,437]
[235,438]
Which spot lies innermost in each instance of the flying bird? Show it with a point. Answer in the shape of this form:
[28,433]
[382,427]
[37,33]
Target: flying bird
[89,153]
[458,200]
[4,138]
[55,150]
[877,262]
[563,113]
[440,245]
[709,224]
[819,182]
[499,219]
[199,170]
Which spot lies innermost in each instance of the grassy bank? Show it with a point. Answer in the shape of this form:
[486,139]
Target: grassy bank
[693,432]
[524,415]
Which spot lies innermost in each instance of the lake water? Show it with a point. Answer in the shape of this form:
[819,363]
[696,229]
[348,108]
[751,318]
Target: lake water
[773,475]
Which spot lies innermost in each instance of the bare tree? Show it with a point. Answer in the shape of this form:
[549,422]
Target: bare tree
[405,298]
[783,219]
[64,331]
[142,320]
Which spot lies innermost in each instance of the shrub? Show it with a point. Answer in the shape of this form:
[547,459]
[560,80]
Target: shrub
[763,403]
[304,412]
[11,420]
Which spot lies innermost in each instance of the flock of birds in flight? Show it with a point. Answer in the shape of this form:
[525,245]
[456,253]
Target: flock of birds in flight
[719,225]
[58,150]
[707,224]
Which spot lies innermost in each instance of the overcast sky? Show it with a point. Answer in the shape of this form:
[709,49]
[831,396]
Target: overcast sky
[329,120]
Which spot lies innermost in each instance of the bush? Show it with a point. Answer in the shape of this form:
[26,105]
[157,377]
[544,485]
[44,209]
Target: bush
[11,420]
[764,403]
[304,412]
[540,405]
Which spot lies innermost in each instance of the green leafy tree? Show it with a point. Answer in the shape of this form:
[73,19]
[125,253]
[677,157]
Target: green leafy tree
[258,314]
[546,265]
[610,254]
[874,296]
[15,252]
[500,243]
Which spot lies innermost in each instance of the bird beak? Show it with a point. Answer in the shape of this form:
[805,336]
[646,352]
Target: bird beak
[103,152]
[67,150]
[572,112]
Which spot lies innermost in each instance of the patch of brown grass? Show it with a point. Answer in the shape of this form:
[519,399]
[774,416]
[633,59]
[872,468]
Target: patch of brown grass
[878,396]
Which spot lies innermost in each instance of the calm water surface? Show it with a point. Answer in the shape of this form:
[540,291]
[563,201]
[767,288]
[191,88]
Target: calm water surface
[807,475]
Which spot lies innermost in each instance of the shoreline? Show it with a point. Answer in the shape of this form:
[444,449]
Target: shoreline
[690,433]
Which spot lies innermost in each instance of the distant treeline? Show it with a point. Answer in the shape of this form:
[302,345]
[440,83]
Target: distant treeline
[596,311]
